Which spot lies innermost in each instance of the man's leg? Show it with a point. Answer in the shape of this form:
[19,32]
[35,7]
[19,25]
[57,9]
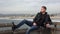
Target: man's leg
[31,29]
[29,23]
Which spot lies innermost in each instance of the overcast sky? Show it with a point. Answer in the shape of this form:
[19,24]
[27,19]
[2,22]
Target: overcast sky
[28,6]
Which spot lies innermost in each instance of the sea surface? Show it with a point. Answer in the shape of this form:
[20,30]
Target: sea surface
[17,21]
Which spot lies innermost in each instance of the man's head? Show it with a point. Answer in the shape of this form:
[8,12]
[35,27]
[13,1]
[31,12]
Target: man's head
[43,9]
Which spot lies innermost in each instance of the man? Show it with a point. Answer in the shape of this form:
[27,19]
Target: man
[41,19]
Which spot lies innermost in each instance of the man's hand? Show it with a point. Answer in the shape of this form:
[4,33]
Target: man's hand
[34,24]
[48,25]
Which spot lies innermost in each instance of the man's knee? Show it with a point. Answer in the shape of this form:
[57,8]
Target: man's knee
[24,20]
[33,28]
[29,30]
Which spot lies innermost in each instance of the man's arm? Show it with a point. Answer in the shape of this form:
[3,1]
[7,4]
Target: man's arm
[34,20]
[49,22]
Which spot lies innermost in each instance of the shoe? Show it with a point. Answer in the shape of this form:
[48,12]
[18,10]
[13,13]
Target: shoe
[14,26]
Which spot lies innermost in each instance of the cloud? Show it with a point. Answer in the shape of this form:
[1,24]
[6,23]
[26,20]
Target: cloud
[27,6]
[53,8]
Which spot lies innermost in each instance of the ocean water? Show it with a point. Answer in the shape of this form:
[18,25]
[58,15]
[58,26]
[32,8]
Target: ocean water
[17,21]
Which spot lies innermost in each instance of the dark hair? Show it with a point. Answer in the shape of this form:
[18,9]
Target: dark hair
[44,7]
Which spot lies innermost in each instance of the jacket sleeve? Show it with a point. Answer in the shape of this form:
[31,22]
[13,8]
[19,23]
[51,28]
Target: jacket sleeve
[48,20]
[35,19]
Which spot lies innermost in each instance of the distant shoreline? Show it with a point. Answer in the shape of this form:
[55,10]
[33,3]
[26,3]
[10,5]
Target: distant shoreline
[54,17]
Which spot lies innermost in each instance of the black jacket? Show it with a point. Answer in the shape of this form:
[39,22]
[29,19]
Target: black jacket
[42,19]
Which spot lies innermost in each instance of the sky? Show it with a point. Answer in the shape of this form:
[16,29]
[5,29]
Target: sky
[28,6]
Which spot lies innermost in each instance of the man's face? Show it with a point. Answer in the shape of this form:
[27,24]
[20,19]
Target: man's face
[43,10]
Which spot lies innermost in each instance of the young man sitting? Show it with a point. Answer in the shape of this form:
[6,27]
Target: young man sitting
[41,19]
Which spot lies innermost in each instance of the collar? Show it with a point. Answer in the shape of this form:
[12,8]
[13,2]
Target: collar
[44,14]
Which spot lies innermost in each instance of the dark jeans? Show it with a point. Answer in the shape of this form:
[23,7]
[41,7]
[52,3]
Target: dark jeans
[29,23]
